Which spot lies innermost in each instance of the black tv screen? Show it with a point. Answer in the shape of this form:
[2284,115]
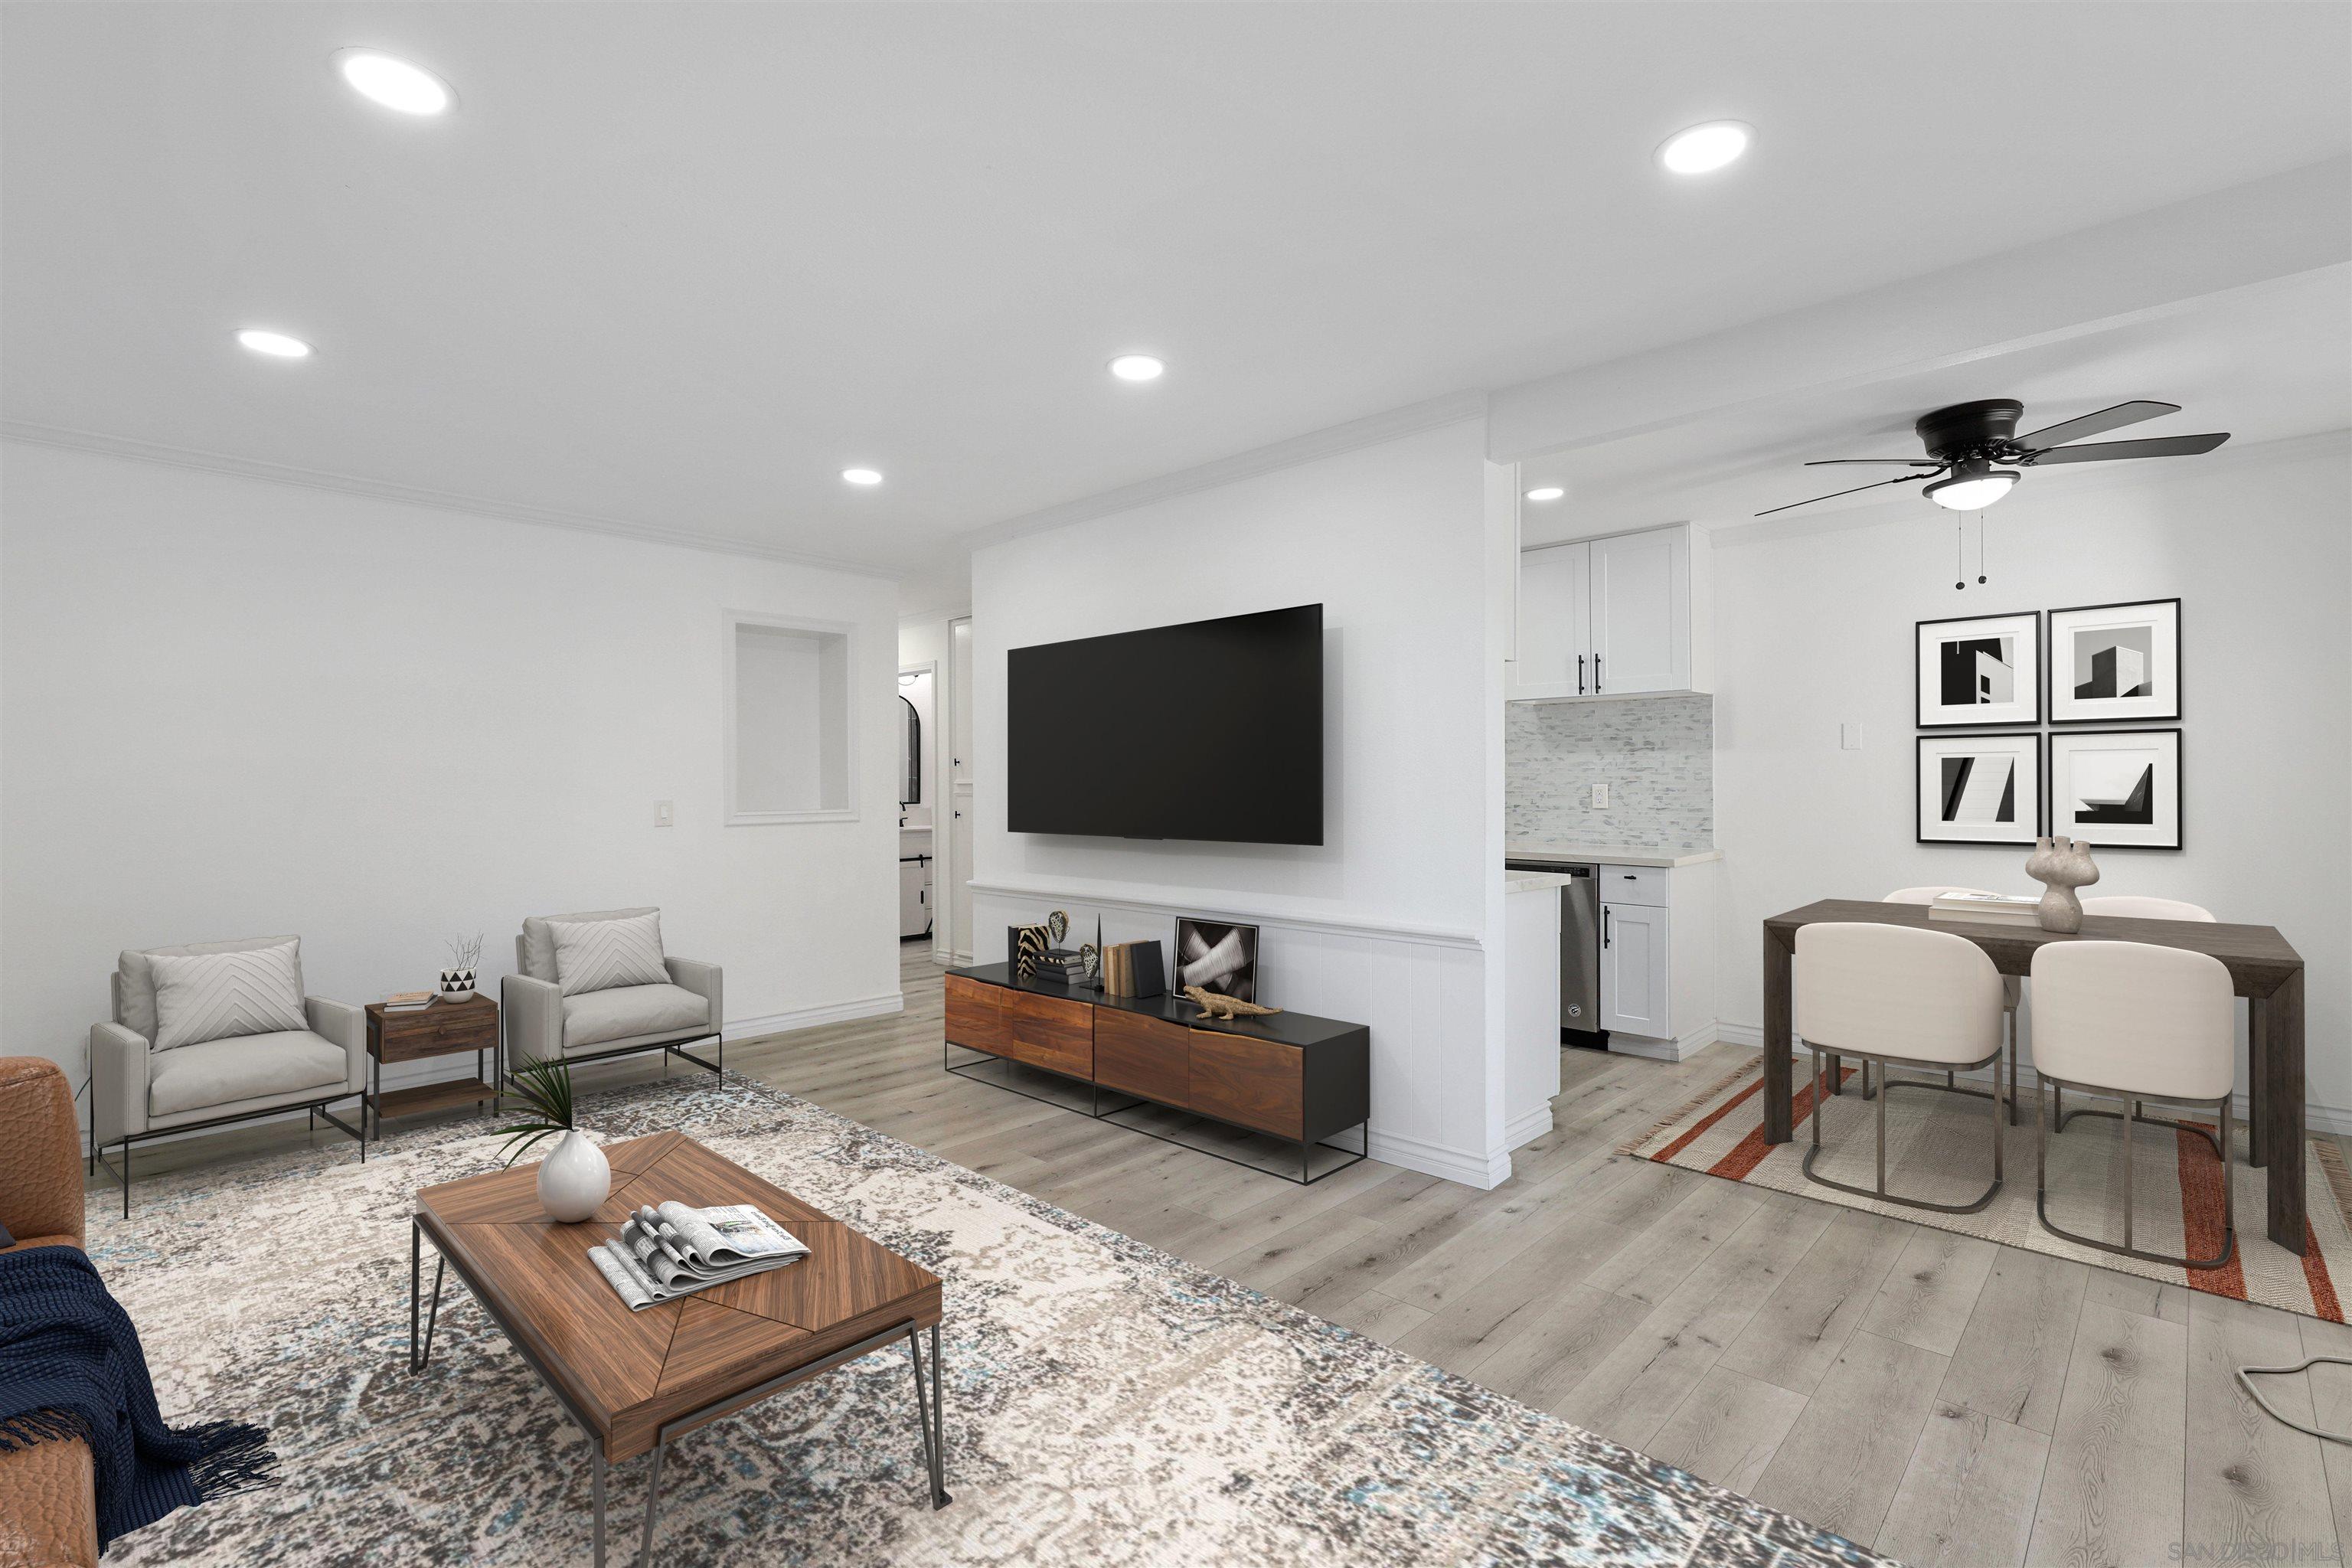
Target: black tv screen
[1213,730]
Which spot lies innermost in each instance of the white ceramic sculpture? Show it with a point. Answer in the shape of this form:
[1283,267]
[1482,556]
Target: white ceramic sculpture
[2061,866]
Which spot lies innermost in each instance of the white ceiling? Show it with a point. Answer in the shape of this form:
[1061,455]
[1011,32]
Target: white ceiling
[2264,364]
[676,264]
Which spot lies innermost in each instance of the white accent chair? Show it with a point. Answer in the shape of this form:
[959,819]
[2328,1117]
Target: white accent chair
[2013,988]
[2134,1022]
[138,1092]
[544,1024]
[1898,996]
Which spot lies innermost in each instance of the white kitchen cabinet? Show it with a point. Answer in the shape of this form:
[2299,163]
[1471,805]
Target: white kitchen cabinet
[1615,617]
[1636,980]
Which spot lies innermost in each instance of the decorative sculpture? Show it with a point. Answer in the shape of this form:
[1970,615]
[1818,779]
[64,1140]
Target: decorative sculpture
[2061,865]
[1228,1008]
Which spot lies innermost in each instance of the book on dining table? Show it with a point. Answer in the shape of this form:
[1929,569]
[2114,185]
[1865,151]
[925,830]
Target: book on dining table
[663,1253]
[2003,908]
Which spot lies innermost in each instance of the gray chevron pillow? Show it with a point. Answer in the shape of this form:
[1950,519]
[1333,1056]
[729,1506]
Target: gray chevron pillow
[597,955]
[215,995]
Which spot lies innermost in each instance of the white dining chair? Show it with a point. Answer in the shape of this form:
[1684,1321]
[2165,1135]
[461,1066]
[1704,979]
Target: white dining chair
[2132,907]
[2133,1022]
[1898,996]
[2012,987]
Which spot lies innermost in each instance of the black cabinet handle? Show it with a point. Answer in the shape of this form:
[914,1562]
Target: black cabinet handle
[1580,675]
[1596,672]
[1604,925]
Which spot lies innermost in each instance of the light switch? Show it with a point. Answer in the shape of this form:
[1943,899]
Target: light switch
[664,814]
[1600,795]
[1849,737]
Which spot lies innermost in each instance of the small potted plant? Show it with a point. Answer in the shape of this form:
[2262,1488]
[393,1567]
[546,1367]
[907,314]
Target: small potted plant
[575,1178]
[457,979]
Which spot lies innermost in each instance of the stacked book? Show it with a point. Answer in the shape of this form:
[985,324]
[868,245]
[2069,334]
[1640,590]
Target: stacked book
[2000,909]
[1062,966]
[671,1251]
[1133,969]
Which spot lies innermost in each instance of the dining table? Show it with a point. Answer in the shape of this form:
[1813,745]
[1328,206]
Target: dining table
[2263,968]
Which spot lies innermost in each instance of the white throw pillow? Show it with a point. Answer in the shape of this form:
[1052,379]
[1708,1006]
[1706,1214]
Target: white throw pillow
[215,995]
[597,955]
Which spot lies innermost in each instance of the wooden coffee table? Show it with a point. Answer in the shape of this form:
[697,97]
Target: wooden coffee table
[637,1381]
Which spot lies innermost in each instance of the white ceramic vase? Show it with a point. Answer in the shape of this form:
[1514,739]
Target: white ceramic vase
[574,1179]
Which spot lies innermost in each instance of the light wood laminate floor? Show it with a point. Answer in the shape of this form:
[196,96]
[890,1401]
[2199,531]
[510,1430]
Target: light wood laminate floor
[1943,1399]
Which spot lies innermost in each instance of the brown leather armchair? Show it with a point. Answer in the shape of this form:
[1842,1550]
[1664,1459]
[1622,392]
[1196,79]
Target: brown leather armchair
[48,1514]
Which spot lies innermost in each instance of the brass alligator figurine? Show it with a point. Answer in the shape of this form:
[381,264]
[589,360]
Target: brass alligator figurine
[1228,1008]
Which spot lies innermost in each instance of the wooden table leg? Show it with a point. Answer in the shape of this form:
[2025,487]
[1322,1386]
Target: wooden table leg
[1777,966]
[2257,1057]
[2282,1109]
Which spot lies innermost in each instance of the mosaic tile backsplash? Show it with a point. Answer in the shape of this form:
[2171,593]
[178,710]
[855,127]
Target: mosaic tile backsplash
[1655,754]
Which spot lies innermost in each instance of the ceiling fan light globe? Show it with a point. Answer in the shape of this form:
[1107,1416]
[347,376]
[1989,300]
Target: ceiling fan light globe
[1973,491]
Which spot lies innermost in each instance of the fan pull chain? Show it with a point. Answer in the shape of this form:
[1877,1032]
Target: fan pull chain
[1960,552]
[1981,565]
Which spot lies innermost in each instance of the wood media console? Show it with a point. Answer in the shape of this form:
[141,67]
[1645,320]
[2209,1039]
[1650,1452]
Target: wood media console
[1290,1075]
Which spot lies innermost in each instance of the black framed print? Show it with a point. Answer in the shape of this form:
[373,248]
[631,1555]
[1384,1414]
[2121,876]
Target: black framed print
[2115,664]
[2116,789]
[1980,789]
[1980,671]
[1218,957]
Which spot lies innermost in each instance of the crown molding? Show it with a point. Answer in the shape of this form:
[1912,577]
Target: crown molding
[137,451]
[1455,408]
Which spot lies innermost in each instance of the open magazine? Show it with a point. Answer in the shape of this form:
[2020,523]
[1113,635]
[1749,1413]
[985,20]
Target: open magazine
[671,1251]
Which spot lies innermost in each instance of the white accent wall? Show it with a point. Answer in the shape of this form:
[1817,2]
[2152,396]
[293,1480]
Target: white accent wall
[1816,625]
[236,708]
[1385,922]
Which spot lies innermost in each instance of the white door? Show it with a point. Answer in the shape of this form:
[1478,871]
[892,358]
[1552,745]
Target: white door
[1634,971]
[957,903]
[1641,612]
[1555,622]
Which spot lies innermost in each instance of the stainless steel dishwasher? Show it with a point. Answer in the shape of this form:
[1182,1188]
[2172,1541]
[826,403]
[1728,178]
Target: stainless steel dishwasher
[1580,950]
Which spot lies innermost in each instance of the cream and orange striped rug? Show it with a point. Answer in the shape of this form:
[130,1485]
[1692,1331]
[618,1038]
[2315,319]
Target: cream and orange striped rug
[1940,1146]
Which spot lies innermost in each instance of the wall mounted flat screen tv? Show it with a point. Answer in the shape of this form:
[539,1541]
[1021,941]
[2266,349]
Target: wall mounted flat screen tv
[1213,730]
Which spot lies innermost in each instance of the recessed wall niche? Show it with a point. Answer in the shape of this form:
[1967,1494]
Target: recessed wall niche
[791,728]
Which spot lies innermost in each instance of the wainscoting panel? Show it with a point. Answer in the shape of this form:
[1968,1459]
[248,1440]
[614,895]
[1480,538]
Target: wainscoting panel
[1421,992]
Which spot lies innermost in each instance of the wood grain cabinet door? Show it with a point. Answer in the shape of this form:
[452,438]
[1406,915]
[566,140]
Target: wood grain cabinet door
[1256,1083]
[976,1017]
[1050,1032]
[1148,1057]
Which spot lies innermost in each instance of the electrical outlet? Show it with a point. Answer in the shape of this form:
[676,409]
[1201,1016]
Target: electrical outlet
[1849,737]
[1600,795]
[664,814]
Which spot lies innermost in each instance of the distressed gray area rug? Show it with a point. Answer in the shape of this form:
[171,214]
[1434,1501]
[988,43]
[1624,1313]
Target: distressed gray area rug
[1106,1404]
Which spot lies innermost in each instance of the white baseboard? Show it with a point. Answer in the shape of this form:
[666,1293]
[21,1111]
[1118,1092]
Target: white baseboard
[1438,1159]
[1528,1128]
[1682,1047]
[809,1017]
[2334,1119]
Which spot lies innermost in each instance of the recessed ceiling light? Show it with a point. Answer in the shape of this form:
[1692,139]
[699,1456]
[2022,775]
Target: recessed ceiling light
[1545,492]
[1137,367]
[393,82]
[862,476]
[278,345]
[1705,148]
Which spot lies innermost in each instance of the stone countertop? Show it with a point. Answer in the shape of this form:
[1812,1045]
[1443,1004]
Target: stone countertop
[1533,881]
[1615,855]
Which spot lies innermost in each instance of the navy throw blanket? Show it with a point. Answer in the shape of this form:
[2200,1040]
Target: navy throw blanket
[71,1366]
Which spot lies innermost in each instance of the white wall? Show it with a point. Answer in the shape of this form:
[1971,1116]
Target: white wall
[234,708]
[1383,923]
[1815,628]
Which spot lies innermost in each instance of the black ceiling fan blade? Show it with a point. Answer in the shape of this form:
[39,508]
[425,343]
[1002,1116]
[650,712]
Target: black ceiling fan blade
[2107,451]
[1900,462]
[1898,479]
[2115,418]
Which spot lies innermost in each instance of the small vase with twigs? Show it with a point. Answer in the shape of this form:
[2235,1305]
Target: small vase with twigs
[576,1177]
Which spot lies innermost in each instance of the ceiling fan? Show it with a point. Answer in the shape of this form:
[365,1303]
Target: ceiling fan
[1967,442]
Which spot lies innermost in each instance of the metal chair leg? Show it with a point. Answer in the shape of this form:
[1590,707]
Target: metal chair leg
[2043,1130]
[1885,1082]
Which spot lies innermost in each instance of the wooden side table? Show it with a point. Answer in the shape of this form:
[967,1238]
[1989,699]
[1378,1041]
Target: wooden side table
[445,1028]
